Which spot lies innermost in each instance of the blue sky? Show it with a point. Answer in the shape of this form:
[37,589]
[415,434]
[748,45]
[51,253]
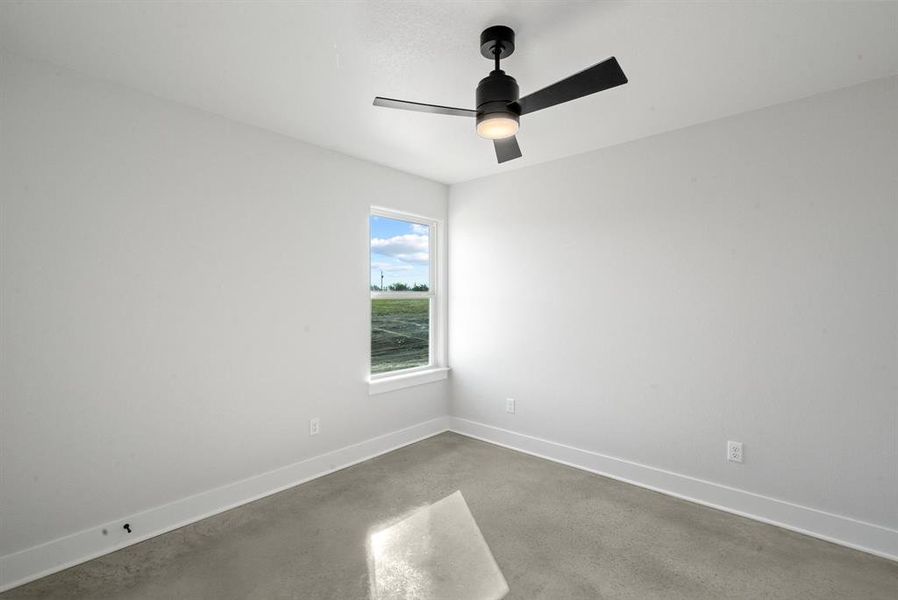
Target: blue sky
[400,250]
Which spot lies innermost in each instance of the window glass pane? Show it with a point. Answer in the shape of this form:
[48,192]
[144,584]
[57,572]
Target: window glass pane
[400,255]
[400,332]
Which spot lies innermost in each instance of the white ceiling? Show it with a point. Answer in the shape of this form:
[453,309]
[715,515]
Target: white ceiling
[310,70]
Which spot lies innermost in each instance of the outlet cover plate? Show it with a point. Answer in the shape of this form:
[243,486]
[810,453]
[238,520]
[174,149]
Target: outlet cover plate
[734,451]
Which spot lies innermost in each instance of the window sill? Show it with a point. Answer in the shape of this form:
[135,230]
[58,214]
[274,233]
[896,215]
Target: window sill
[381,385]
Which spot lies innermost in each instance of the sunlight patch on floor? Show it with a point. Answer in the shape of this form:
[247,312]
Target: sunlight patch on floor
[436,553]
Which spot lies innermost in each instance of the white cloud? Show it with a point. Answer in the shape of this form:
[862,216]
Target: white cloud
[422,229]
[409,248]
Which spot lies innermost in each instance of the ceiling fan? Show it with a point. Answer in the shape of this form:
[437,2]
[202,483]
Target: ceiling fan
[498,106]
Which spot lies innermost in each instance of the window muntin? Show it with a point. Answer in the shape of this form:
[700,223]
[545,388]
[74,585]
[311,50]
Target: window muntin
[403,295]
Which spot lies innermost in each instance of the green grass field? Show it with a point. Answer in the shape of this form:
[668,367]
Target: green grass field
[399,334]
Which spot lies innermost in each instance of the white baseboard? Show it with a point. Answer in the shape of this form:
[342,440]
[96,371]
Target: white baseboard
[845,531]
[32,563]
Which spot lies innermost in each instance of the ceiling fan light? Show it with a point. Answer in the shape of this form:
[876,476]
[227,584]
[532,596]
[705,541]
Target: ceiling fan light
[497,127]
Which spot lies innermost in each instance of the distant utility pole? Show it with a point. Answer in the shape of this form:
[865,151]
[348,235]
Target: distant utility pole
[381,280]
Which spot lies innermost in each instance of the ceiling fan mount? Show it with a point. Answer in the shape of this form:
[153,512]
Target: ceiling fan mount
[497,36]
[498,101]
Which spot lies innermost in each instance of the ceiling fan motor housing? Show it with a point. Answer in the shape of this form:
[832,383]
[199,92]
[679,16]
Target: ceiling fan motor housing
[497,93]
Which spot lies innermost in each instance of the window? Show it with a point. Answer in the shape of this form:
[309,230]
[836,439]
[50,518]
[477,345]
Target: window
[404,295]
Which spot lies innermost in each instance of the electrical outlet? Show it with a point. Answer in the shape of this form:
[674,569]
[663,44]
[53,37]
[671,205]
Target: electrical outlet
[509,405]
[734,452]
[314,426]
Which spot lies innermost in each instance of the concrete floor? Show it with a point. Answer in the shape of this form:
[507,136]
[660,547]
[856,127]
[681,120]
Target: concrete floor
[555,532]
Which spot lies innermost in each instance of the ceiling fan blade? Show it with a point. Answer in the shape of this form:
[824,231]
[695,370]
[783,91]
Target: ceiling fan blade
[507,149]
[428,108]
[605,75]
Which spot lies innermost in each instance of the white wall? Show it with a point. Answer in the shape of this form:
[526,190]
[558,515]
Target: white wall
[180,294]
[734,280]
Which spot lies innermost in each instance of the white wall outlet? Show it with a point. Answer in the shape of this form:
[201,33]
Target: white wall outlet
[509,405]
[734,451]
[314,426]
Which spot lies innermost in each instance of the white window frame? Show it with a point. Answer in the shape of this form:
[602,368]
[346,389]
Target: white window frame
[435,369]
